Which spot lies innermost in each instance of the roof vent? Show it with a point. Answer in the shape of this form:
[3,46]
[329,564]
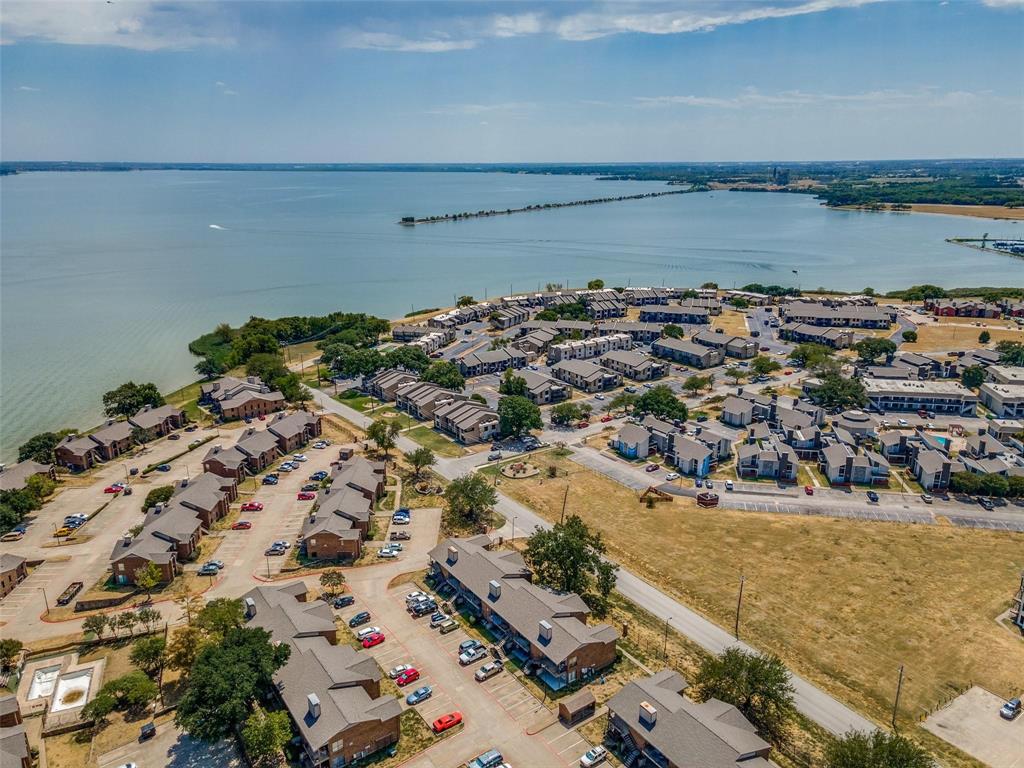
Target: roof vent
[250,607]
[545,630]
[494,589]
[648,714]
[314,705]
[453,554]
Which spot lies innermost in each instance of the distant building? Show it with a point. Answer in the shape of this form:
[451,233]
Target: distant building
[688,353]
[586,376]
[946,397]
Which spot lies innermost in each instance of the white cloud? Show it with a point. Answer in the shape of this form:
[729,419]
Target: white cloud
[144,25]
[1002,3]
[514,26]
[481,109]
[753,98]
[28,88]
[386,41]
[223,88]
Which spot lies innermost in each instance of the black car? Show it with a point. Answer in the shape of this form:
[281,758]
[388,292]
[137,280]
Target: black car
[872,496]
[343,601]
[423,608]
[147,731]
[360,618]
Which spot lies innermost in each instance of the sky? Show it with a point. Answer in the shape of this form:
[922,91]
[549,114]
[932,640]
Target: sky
[679,80]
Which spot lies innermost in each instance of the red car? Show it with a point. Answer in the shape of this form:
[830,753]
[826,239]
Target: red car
[115,488]
[262,417]
[252,506]
[306,496]
[408,676]
[606,419]
[651,468]
[788,372]
[241,525]
[375,638]
[583,425]
[808,490]
[444,722]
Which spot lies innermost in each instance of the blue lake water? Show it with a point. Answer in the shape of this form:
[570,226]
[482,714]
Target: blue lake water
[105,277]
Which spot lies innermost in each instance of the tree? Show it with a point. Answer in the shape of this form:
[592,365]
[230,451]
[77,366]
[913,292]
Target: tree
[566,413]
[225,680]
[736,374]
[465,301]
[132,691]
[185,645]
[476,397]
[332,580]
[837,391]
[875,750]
[623,400]
[607,574]
[208,368]
[9,650]
[246,345]
[910,336]
[984,337]
[595,285]
[407,357]
[566,556]
[265,733]
[421,458]
[973,376]
[148,654]
[384,432]
[189,603]
[129,398]
[992,484]
[143,435]
[739,302]
[39,448]
[673,331]
[159,495]
[97,624]
[871,348]
[964,482]
[707,286]
[445,374]
[220,615]
[266,365]
[98,709]
[756,684]
[695,384]
[470,500]
[128,620]
[512,384]
[810,354]
[517,415]
[147,577]
[762,365]
[661,401]
[1015,486]
[148,617]
[1010,352]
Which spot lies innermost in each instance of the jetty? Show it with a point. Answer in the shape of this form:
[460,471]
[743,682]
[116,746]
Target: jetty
[409,221]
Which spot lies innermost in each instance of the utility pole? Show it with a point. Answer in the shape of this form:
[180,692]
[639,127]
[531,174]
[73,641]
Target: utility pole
[896,703]
[664,650]
[45,601]
[565,498]
[739,603]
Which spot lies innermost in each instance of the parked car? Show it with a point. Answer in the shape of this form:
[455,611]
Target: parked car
[420,694]
[387,554]
[318,476]
[599,397]
[344,601]
[400,536]
[396,671]
[147,731]
[399,519]
[469,645]
[473,656]
[489,759]
[360,618]
[270,480]
[209,570]
[410,675]
[986,504]
[593,756]
[926,498]
[488,670]
[651,468]
[241,525]
[305,496]
[287,467]
[311,487]
[606,418]
[114,488]
[163,468]
[1011,709]
[423,608]
[274,551]
[281,543]
[872,496]
[809,490]
[12,536]
[583,425]
[366,632]
[446,722]
[449,626]
[253,506]
[672,476]
[319,445]
[415,596]
[437,619]
[371,640]
[729,485]
[494,456]
[63,531]
[174,436]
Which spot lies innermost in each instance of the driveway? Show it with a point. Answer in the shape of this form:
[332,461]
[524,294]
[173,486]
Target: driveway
[173,748]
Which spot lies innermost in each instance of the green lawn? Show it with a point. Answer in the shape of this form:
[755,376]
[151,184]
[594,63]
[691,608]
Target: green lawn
[435,441]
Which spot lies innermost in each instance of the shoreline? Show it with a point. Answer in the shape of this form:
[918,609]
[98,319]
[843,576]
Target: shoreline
[994,212]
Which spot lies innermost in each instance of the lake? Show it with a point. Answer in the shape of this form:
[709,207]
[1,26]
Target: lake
[105,277]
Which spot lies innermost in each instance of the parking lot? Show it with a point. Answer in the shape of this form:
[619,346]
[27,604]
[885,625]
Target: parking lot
[28,597]
[972,723]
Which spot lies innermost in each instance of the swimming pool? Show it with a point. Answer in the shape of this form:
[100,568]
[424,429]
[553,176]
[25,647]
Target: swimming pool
[43,682]
[72,690]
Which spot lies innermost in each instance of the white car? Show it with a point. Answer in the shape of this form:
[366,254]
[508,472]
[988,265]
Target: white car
[599,397]
[287,467]
[926,498]
[319,444]
[396,671]
[281,544]
[472,655]
[903,422]
[593,756]
[300,457]
[366,631]
[387,553]
[672,476]
[728,485]
[415,597]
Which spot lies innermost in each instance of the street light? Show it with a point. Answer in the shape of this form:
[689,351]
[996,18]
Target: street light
[45,601]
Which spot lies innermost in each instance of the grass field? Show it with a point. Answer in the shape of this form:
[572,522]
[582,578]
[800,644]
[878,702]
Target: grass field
[843,602]
[732,322]
[945,336]
[435,441]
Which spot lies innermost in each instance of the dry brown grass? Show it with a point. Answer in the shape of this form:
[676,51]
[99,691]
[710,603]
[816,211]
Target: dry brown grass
[947,336]
[844,602]
[732,322]
[978,211]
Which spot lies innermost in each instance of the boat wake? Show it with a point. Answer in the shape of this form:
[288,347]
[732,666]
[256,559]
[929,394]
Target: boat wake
[217,226]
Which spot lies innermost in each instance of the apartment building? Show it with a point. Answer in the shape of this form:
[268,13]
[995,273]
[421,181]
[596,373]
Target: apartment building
[543,390]
[331,691]
[837,338]
[491,361]
[159,421]
[644,333]
[741,347]
[422,399]
[947,397]
[545,629]
[634,365]
[642,297]
[235,398]
[14,747]
[651,722]
[604,308]
[1006,401]
[294,430]
[586,349]
[340,519]
[585,375]
[688,353]
[13,570]
[16,476]
[963,308]
[535,342]
[767,458]
[817,314]
[385,385]
[632,442]
[676,314]
[505,317]
[468,422]
[843,465]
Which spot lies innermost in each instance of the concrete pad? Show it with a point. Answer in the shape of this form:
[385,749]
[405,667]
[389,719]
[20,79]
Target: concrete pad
[972,723]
